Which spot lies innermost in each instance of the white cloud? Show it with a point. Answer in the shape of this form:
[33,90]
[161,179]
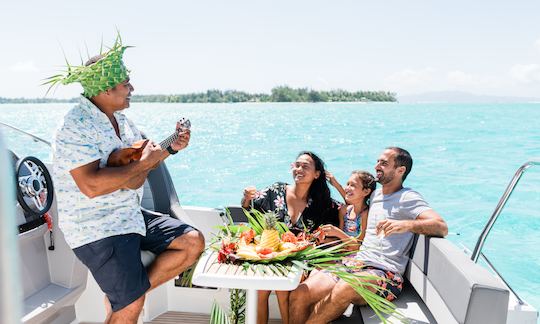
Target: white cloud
[27,66]
[463,79]
[411,77]
[526,73]
[460,78]
[537,44]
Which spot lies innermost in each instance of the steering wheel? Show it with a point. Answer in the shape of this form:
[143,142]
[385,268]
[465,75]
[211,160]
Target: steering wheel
[35,190]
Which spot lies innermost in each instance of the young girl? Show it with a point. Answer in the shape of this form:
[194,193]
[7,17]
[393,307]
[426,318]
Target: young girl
[353,217]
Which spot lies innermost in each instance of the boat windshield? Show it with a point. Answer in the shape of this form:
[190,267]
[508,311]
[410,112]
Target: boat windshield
[25,144]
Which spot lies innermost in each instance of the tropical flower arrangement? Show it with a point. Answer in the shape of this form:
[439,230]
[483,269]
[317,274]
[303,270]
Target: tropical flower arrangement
[267,245]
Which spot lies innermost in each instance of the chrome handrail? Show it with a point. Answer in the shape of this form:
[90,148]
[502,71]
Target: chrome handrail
[34,137]
[502,202]
[492,267]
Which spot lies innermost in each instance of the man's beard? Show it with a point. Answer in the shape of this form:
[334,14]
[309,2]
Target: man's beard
[385,178]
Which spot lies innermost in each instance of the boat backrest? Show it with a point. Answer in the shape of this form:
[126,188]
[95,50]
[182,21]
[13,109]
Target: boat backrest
[160,190]
[237,214]
[454,288]
[159,195]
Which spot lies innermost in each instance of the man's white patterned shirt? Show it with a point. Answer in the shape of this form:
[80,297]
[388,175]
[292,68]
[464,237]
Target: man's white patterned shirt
[84,136]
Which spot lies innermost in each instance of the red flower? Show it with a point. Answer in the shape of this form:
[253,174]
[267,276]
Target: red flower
[221,257]
[226,252]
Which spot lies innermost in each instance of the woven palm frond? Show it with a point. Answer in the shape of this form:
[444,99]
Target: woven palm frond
[100,76]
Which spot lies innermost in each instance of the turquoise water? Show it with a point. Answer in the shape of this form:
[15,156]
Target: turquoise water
[464,156]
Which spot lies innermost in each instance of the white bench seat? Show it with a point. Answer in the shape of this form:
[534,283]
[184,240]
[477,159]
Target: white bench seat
[444,286]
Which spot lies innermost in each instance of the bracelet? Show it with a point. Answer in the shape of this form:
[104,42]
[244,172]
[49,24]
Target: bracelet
[171,150]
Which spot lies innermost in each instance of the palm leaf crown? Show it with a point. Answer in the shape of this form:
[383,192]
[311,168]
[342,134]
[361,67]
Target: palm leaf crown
[95,78]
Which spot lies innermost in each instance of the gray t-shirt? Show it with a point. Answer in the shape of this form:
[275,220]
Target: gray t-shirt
[390,252]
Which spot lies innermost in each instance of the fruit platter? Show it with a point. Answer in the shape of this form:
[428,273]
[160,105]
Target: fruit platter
[266,240]
[266,243]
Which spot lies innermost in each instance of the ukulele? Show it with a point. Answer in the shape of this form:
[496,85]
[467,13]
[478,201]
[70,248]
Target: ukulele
[127,155]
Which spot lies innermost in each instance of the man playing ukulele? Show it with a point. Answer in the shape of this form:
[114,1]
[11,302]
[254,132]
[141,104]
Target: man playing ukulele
[99,206]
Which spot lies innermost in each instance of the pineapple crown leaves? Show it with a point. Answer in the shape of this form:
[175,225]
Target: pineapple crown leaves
[104,74]
[270,220]
[257,221]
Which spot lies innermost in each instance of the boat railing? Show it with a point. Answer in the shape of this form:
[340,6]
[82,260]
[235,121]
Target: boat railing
[477,252]
[34,137]
[492,267]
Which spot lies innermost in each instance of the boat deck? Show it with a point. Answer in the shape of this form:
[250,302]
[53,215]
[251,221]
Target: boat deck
[185,318]
[189,318]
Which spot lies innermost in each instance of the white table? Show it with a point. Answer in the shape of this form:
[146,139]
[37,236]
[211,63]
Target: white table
[210,273]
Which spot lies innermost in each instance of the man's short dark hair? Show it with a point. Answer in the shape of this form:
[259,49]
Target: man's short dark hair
[94,59]
[402,158]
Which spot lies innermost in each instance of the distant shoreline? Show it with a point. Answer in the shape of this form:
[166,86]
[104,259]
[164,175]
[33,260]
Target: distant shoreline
[278,94]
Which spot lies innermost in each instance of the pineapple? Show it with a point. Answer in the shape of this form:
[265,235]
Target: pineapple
[270,235]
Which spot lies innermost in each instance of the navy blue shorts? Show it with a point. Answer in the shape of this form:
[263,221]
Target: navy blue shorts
[115,262]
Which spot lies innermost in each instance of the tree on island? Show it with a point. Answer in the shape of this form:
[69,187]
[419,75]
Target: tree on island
[277,94]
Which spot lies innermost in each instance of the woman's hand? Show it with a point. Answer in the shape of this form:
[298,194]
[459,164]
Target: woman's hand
[249,195]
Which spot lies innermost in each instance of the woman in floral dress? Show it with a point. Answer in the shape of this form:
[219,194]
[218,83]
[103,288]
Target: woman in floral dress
[302,206]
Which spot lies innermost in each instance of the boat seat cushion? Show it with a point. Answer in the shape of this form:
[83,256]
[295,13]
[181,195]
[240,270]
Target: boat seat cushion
[147,201]
[409,304]
[455,289]
[147,258]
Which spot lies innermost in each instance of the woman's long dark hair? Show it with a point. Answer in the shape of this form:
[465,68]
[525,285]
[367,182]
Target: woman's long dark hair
[318,191]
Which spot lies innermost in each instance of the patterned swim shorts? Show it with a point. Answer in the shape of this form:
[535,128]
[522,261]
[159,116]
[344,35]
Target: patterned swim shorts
[390,282]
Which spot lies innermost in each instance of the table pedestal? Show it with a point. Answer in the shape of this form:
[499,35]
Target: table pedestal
[252,299]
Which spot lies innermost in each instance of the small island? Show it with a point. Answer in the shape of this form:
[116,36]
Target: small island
[277,94]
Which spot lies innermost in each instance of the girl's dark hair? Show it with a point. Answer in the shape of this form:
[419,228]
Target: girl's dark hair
[368,182]
[318,191]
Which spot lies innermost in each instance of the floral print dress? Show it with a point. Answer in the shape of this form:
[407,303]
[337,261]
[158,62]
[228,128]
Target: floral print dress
[273,198]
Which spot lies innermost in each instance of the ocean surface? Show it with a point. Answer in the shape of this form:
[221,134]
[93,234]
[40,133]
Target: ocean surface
[464,157]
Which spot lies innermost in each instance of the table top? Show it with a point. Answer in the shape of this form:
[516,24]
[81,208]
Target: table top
[210,273]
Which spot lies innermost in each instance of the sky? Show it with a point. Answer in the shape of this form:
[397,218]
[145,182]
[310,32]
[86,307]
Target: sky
[487,47]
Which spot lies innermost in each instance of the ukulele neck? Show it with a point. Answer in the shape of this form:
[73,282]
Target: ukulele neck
[169,140]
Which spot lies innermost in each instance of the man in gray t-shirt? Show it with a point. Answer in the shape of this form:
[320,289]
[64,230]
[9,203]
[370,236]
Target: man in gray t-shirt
[395,215]
[389,252]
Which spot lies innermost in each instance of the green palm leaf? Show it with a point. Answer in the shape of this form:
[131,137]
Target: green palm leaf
[218,315]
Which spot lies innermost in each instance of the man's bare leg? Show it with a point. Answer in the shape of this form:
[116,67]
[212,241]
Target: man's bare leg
[302,299]
[262,306]
[108,309]
[128,314]
[335,303]
[283,302]
[180,254]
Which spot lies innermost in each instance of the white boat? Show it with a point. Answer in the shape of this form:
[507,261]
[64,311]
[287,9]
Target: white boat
[42,284]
